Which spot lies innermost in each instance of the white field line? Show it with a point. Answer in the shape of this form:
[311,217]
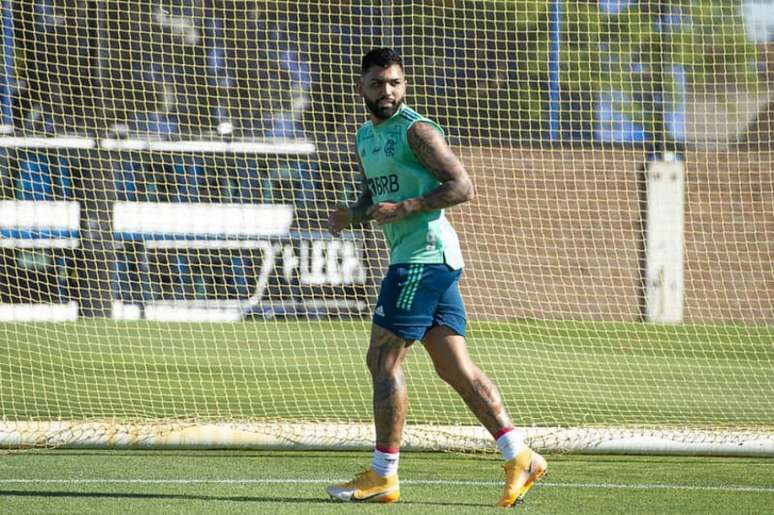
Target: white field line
[597,486]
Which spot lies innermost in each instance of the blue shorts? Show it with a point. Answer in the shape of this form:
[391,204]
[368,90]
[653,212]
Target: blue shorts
[414,298]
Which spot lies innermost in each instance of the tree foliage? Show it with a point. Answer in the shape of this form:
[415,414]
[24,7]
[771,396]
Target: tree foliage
[501,58]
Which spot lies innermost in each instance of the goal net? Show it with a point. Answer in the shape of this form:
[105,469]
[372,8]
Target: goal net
[167,169]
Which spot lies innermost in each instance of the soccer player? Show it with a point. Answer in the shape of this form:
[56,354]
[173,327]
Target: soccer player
[409,176]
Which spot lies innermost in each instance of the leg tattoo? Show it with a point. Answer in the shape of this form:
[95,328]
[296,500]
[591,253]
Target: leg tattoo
[453,364]
[389,387]
[483,399]
[390,396]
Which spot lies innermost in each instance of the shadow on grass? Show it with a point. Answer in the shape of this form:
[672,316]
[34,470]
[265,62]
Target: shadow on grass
[132,495]
[188,497]
[415,456]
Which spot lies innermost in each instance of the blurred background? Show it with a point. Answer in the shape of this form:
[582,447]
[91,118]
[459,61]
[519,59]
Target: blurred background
[277,69]
[550,83]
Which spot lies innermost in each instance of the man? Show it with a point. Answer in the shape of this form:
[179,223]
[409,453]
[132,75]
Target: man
[409,176]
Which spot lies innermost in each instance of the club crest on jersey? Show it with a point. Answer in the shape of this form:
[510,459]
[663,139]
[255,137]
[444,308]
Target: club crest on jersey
[389,147]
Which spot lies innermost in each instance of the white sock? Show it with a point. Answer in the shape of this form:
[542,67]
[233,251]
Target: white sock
[385,464]
[510,444]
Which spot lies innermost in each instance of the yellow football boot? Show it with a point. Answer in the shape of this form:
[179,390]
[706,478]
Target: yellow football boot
[367,486]
[521,474]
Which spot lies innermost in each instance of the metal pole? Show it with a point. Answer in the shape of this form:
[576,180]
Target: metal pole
[659,62]
[6,103]
[98,254]
[388,26]
[554,132]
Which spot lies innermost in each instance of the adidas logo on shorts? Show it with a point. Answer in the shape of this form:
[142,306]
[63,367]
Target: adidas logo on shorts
[379,311]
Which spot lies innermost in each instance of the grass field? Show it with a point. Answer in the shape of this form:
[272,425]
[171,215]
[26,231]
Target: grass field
[294,482]
[588,374]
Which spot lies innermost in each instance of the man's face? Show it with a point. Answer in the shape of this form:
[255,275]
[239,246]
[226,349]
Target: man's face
[383,90]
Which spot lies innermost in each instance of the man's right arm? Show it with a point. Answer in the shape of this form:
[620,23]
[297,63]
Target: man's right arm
[357,213]
[364,201]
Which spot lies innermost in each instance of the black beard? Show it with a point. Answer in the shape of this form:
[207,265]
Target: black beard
[383,113]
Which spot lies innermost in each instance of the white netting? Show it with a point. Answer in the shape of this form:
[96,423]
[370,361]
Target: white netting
[166,169]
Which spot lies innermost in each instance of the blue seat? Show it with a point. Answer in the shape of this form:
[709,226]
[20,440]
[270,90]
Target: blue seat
[63,177]
[43,177]
[120,281]
[189,178]
[249,180]
[125,177]
[35,177]
[131,279]
[239,276]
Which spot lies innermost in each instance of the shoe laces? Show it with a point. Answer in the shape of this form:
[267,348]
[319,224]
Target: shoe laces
[360,477]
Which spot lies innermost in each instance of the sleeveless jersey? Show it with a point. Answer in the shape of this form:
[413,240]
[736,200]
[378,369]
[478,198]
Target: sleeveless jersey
[394,174]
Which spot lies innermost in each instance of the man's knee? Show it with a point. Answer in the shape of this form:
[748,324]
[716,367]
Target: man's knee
[376,362]
[385,352]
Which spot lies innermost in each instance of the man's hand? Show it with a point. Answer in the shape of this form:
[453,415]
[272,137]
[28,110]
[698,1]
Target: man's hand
[339,219]
[388,212]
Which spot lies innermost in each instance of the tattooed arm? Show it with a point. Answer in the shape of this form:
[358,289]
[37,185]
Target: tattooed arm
[431,150]
[344,216]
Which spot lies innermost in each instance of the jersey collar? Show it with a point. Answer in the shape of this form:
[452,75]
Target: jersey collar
[392,118]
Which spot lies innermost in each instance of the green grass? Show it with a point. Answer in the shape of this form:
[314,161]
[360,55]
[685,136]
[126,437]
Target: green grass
[550,373]
[578,373]
[294,482]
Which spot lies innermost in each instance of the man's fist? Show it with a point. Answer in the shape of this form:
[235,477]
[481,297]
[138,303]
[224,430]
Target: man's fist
[339,219]
[387,212]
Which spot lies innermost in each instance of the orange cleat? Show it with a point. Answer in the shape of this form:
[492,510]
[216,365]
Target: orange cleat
[521,474]
[367,486]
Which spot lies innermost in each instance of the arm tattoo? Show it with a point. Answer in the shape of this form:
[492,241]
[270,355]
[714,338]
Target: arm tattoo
[364,201]
[433,153]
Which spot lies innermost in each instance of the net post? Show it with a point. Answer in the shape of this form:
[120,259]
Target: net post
[97,242]
[664,240]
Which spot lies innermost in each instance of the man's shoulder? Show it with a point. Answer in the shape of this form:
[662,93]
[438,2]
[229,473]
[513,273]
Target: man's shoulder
[411,117]
[366,129]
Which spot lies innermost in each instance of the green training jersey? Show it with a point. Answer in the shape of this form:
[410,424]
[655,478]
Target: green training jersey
[394,174]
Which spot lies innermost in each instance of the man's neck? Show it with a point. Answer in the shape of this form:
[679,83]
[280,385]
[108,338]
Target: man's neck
[375,120]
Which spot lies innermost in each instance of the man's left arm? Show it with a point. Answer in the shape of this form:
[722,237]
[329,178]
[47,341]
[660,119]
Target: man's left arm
[432,151]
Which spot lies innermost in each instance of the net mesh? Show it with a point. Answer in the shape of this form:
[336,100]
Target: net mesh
[167,169]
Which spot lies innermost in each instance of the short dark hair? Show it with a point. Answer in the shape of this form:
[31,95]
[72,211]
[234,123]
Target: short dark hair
[384,57]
